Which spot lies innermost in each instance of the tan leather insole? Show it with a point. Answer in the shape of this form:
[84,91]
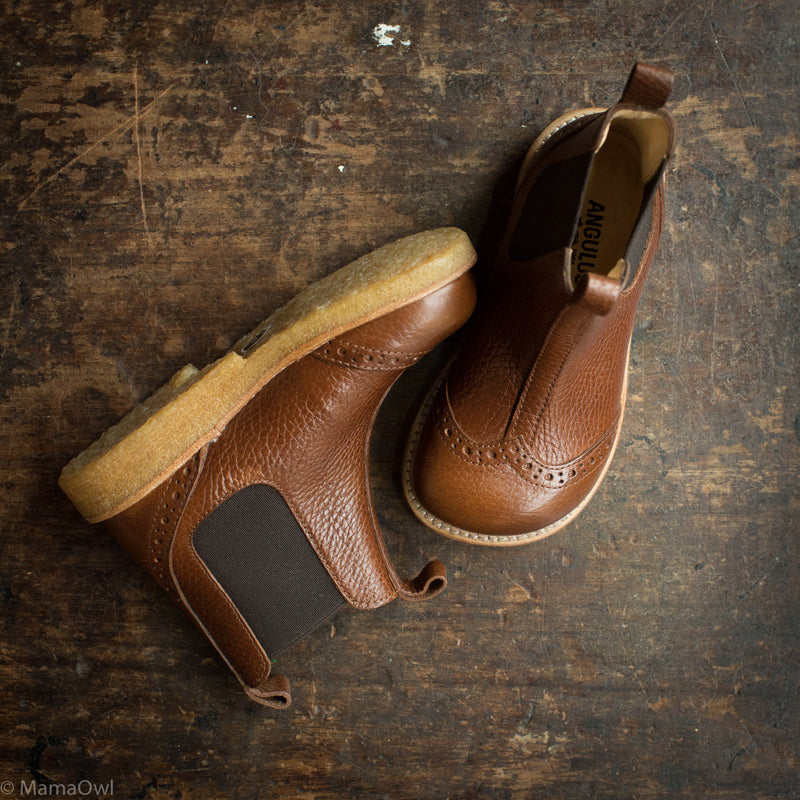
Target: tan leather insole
[611,206]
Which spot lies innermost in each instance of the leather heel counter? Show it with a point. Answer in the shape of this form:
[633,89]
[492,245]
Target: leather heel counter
[146,529]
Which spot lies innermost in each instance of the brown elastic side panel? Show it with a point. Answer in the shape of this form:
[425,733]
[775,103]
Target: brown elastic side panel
[641,232]
[257,551]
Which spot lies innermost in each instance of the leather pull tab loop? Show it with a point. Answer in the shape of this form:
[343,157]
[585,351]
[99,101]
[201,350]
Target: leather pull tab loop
[597,293]
[430,582]
[648,86]
[274,692]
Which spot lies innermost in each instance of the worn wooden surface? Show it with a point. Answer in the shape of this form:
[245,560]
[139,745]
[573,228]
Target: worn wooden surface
[173,171]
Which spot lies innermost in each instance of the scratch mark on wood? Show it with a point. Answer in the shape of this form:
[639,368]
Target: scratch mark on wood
[671,25]
[731,75]
[733,760]
[616,624]
[619,627]
[517,583]
[528,718]
[260,74]
[714,331]
[139,149]
[121,128]
[215,28]
[345,761]
[12,313]
[776,563]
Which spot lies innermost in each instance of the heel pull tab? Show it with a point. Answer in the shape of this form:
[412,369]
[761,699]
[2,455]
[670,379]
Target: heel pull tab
[597,293]
[430,582]
[648,86]
[274,692]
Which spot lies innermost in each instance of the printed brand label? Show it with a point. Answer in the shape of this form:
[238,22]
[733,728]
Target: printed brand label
[586,245]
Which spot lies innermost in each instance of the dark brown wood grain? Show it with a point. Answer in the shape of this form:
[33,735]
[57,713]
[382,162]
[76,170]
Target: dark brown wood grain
[173,171]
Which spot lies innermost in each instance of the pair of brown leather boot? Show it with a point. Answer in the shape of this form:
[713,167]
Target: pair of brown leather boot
[243,488]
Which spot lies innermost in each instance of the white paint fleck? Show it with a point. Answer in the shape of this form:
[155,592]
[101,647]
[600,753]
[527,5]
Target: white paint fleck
[381,34]
[248,116]
[385,35]
[341,167]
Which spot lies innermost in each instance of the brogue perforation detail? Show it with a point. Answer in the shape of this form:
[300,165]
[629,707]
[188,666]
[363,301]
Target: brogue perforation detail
[340,351]
[173,498]
[513,453]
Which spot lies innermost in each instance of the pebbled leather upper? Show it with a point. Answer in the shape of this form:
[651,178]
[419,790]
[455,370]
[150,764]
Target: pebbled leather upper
[524,421]
[306,433]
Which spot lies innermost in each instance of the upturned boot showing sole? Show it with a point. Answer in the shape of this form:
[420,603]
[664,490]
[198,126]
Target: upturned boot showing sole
[517,435]
[242,489]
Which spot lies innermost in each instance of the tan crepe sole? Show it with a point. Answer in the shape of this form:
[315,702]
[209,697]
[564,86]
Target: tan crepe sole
[419,510]
[166,429]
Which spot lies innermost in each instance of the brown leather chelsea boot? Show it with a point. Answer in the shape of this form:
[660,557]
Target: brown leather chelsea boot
[519,432]
[242,489]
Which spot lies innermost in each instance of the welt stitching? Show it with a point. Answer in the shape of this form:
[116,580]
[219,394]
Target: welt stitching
[419,353]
